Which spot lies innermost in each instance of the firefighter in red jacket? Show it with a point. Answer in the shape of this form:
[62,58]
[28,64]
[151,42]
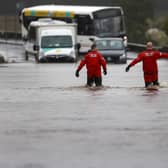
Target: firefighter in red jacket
[149,58]
[93,61]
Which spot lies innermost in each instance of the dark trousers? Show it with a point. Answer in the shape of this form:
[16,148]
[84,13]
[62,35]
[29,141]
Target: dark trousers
[151,78]
[96,80]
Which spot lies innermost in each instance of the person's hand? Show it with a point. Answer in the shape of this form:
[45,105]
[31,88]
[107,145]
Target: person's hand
[127,68]
[77,73]
[105,72]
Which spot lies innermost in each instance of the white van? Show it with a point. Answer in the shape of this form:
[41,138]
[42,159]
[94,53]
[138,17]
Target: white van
[51,40]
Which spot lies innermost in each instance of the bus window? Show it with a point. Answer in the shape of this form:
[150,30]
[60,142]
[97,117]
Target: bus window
[32,34]
[107,13]
[108,27]
[85,25]
[108,23]
[27,20]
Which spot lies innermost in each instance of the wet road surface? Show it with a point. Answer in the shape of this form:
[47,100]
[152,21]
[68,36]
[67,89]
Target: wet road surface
[49,119]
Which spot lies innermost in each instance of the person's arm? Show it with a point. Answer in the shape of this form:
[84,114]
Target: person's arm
[135,61]
[103,64]
[162,55]
[82,63]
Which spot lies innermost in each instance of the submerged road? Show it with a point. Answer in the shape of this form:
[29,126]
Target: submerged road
[49,119]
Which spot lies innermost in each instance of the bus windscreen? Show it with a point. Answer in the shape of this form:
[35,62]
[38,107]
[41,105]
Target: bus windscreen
[109,23]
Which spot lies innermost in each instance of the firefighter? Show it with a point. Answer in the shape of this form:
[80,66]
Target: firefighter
[149,58]
[93,61]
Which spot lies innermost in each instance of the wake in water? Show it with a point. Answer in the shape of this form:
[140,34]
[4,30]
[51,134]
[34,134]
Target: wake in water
[93,88]
[103,87]
[163,84]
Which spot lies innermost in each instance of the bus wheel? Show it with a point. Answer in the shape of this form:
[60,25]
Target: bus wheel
[26,56]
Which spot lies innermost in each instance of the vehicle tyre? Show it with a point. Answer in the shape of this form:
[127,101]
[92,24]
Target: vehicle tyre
[26,56]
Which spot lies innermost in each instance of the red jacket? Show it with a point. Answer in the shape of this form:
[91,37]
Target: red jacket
[149,59]
[93,61]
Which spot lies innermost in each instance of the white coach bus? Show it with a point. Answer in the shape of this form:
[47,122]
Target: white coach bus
[92,21]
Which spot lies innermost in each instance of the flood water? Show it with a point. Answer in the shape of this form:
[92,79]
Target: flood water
[49,119]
